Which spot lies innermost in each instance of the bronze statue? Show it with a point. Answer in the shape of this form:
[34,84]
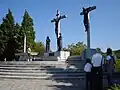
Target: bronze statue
[57,29]
[47,44]
[60,42]
[86,19]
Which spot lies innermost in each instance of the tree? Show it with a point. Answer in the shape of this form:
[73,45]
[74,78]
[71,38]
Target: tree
[39,47]
[1,41]
[12,35]
[20,37]
[28,29]
[75,49]
[7,37]
[117,53]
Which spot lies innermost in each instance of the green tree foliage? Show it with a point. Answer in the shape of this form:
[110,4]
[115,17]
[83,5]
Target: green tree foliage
[39,47]
[20,37]
[75,49]
[115,87]
[7,36]
[2,47]
[12,35]
[117,53]
[28,29]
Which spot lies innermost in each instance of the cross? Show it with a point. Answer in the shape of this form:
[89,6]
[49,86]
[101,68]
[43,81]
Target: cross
[85,13]
[57,24]
[58,13]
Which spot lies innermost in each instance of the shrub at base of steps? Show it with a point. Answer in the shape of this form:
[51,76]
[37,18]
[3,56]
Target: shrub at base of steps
[115,87]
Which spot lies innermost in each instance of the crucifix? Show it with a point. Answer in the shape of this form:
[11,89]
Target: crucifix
[57,29]
[85,13]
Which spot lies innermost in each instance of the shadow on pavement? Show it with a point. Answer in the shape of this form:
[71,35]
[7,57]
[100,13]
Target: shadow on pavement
[67,78]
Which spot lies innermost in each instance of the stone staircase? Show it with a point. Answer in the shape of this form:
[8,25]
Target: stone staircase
[58,75]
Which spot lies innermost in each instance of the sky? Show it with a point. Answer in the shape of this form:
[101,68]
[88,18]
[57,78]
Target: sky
[104,21]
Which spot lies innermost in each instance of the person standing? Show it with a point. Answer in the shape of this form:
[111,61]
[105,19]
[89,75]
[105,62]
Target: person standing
[97,72]
[110,62]
[87,69]
[29,54]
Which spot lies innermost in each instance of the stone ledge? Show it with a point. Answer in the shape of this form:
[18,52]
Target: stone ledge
[44,78]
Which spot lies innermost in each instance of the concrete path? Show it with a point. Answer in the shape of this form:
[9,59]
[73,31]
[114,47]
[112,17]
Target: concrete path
[24,84]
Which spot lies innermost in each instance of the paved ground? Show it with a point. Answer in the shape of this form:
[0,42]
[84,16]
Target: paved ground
[14,84]
[29,84]
[41,84]
[23,84]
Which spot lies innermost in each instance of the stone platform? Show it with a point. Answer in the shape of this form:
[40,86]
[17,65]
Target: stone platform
[57,56]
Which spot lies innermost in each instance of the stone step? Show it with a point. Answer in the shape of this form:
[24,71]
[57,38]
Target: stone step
[72,82]
[40,68]
[39,62]
[39,77]
[44,66]
[34,66]
[43,74]
[32,62]
[30,65]
[43,70]
[28,68]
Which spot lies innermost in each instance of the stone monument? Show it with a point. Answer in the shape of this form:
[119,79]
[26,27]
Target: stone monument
[57,29]
[59,54]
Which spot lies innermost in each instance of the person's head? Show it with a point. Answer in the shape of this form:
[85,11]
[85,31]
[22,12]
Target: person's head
[47,37]
[98,50]
[60,34]
[109,51]
[88,60]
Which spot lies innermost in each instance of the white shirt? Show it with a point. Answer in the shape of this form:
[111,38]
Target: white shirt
[97,59]
[88,67]
[29,50]
[108,58]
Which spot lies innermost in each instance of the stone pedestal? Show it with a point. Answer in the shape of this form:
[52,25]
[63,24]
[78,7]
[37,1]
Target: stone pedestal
[62,55]
[58,55]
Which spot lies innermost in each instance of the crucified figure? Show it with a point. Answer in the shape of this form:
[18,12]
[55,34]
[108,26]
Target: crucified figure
[57,28]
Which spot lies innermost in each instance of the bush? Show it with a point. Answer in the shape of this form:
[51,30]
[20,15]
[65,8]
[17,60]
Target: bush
[115,87]
[117,66]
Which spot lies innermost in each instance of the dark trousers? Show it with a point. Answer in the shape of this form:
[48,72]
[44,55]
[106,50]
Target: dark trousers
[97,78]
[109,78]
[88,81]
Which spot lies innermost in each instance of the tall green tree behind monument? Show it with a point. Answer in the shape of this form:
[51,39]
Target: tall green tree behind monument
[28,29]
[1,41]
[20,37]
[7,36]
[75,49]
[39,47]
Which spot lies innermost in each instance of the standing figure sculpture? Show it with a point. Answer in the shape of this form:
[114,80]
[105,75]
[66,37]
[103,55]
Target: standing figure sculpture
[57,29]
[59,42]
[47,44]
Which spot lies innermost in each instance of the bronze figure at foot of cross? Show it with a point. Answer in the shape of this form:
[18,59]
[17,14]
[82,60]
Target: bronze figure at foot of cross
[59,43]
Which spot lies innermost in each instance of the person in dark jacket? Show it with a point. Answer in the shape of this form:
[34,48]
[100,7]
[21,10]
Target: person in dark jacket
[110,62]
